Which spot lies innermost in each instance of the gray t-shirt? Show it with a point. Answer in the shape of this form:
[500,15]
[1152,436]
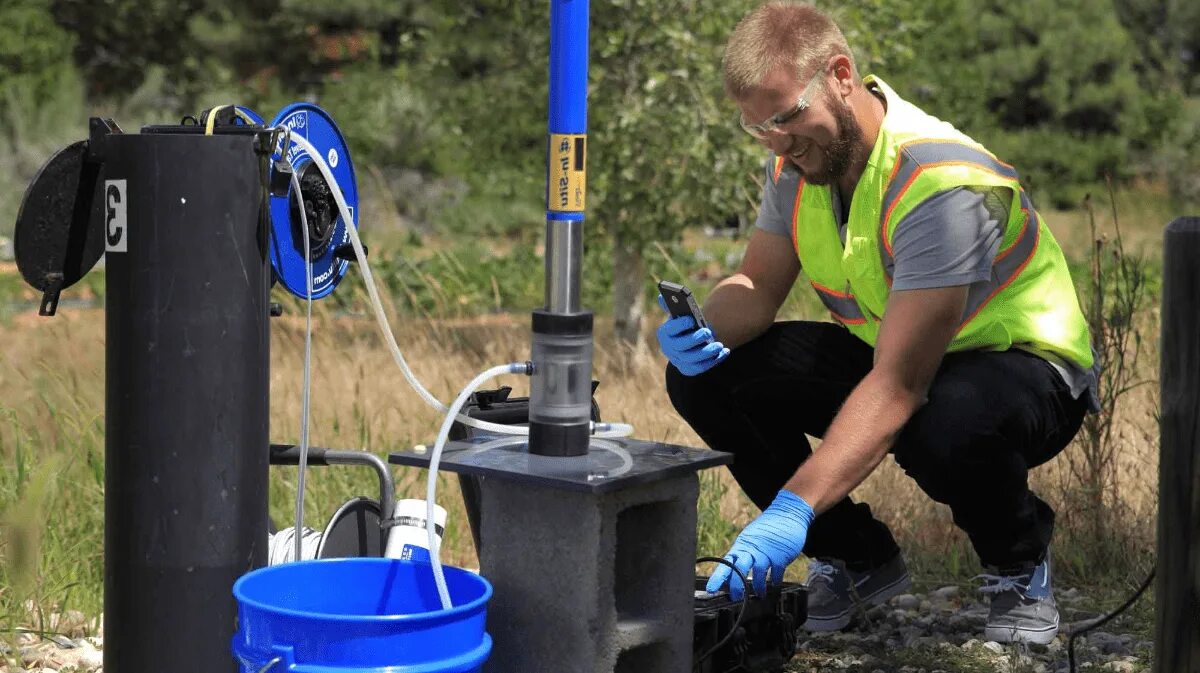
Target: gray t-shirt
[949,239]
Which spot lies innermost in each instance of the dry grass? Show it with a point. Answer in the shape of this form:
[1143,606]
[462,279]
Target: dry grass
[51,444]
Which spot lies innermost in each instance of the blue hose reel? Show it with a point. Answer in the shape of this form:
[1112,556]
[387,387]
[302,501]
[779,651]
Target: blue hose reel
[329,239]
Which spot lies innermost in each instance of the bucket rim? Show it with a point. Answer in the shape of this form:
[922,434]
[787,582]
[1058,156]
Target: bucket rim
[429,615]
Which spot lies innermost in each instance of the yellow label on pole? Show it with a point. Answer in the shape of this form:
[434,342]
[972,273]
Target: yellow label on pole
[566,181]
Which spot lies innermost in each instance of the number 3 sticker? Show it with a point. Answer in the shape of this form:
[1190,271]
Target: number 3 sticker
[116,226]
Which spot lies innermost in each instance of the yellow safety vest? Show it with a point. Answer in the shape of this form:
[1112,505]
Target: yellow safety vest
[1030,302]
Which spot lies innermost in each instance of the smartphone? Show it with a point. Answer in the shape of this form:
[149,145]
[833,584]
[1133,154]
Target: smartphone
[680,302]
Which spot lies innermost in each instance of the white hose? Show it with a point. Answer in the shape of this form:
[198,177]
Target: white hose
[280,548]
[435,552]
[307,386]
[598,429]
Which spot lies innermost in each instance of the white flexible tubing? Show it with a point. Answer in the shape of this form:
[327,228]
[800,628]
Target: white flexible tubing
[608,430]
[435,552]
[305,398]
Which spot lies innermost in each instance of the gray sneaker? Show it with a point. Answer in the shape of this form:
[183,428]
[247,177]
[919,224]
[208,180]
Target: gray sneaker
[1023,608]
[836,594]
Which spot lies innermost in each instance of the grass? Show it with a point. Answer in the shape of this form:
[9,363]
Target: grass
[450,317]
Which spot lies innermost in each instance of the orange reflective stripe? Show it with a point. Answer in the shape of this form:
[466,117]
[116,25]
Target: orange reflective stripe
[778,169]
[796,218]
[1010,262]
[916,156]
[842,305]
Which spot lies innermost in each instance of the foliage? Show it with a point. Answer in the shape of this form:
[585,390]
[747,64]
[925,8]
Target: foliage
[1167,35]
[118,41]
[1050,86]
[35,61]
[391,122]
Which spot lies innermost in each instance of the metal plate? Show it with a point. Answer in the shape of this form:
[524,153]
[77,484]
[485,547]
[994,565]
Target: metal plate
[59,234]
[287,257]
[610,464]
[353,531]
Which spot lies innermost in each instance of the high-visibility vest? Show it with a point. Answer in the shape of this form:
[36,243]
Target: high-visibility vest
[1030,301]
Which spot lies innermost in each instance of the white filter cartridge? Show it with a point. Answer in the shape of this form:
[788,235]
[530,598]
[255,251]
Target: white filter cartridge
[407,538]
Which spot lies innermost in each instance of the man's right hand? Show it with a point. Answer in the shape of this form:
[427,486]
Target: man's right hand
[693,351]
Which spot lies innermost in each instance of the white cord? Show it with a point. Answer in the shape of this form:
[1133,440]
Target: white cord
[435,553]
[598,429]
[281,550]
[307,386]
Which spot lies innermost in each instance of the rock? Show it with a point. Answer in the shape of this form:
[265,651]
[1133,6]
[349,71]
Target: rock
[876,613]
[946,593]
[1107,643]
[1119,667]
[91,657]
[62,641]
[906,602]
[994,646]
[958,623]
[71,623]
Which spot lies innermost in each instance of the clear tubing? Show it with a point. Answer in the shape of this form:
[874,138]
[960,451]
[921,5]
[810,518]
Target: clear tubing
[435,551]
[305,399]
[607,430]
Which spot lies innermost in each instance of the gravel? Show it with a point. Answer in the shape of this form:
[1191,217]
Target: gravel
[937,632]
[942,630]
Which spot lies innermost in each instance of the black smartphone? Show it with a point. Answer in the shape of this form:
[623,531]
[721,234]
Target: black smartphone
[680,302]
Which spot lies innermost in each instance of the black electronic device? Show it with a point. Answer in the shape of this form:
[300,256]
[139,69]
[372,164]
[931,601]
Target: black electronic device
[765,639]
[680,302]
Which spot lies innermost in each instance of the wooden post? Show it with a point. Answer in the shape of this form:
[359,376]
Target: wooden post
[1177,639]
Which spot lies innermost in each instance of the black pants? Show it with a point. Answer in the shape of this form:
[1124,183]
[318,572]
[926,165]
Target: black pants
[990,417]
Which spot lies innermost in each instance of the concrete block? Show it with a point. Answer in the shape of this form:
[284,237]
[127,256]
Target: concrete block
[590,583]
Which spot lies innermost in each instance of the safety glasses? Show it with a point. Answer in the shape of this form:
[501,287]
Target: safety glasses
[761,131]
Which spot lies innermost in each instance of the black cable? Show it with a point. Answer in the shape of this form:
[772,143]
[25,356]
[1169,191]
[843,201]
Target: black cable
[741,613]
[1104,620]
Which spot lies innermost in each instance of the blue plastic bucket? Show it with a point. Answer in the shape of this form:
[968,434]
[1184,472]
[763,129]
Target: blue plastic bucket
[359,615]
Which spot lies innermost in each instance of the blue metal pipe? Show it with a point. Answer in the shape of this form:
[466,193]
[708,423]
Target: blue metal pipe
[566,151]
[568,66]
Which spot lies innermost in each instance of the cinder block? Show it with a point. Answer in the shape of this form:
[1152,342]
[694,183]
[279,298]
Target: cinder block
[590,583]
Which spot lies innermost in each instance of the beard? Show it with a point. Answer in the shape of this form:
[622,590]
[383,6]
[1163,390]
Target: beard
[843,150]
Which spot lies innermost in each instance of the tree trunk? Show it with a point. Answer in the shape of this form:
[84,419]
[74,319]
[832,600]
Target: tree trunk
[628,298]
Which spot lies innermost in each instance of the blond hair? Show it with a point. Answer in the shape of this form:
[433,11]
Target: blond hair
[780,34]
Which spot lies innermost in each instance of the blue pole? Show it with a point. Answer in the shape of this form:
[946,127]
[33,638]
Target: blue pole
[560,393]
[565,166]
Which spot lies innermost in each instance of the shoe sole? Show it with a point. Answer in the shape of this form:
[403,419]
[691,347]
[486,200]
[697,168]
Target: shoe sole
[842,619]
[1011,634]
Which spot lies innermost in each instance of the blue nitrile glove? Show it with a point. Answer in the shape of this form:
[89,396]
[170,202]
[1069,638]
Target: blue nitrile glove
[770,542]
[692,351]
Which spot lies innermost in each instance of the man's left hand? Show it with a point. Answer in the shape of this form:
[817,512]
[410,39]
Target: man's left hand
[769,543]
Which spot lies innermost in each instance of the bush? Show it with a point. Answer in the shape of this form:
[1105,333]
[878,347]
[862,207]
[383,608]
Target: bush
[1052,87]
